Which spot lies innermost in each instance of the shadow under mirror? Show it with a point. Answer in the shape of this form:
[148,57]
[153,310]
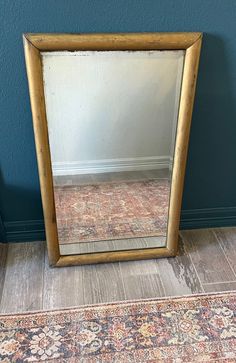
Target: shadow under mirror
[112,119]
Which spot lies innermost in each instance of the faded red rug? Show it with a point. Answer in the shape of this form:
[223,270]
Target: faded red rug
[188,329]
[114,210]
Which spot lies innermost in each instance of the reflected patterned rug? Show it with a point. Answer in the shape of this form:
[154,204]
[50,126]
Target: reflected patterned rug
[112,210]
[188,329]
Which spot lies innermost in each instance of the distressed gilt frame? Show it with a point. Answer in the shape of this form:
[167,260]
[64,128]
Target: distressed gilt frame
[34,44]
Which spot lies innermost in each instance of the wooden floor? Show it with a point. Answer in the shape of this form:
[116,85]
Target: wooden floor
[84,179]
[206,263]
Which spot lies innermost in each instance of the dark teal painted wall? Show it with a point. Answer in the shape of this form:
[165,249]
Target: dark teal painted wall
[210,186]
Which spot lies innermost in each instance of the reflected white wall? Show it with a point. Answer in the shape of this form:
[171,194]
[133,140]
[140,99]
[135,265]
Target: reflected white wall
[109,110]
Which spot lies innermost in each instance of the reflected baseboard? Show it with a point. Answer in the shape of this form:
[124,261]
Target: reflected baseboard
[111,165]
[33,230]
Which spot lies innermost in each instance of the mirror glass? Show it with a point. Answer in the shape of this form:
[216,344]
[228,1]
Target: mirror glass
[112,118]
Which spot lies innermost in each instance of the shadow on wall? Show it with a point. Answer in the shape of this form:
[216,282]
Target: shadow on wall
[211,158]
[19,230]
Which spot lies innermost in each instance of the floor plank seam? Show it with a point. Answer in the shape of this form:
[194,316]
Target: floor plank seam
[122,280]
[194,267]
[162,285]
[219,282]
[222,249]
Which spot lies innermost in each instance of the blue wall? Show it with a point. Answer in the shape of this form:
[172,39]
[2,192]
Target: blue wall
[210,185]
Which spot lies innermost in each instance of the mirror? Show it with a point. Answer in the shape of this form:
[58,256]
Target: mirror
[112,125]
[111,120]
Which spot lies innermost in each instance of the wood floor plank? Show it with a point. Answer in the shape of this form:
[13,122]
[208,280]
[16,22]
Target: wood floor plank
[3,258]
[178,274]
[102,283]
[219,287]
[227,240]
[79,285]
[63,287]
[23,284]
[63,180]
[159,173]
[208,259]
[141,279]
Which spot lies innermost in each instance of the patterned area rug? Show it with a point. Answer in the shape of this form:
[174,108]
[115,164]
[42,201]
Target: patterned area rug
[112,210]
[189,329]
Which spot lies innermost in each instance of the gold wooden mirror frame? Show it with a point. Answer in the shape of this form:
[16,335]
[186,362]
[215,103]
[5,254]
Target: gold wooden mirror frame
[34,44]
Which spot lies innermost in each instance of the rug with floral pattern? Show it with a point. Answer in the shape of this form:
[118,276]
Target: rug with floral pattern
[188,329]
[113,210]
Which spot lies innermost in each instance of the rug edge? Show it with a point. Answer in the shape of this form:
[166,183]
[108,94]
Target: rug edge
[122,302]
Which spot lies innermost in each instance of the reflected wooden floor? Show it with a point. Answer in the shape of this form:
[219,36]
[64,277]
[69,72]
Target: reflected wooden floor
[206,263]
[112,245]
[84,179]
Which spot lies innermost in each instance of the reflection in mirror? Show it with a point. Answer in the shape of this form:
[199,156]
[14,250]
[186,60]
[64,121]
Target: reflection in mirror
[112,119]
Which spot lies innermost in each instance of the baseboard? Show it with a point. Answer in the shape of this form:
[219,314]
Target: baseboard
[25,231]
[208,217]
[2,231]
[33,230]
[110,165]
